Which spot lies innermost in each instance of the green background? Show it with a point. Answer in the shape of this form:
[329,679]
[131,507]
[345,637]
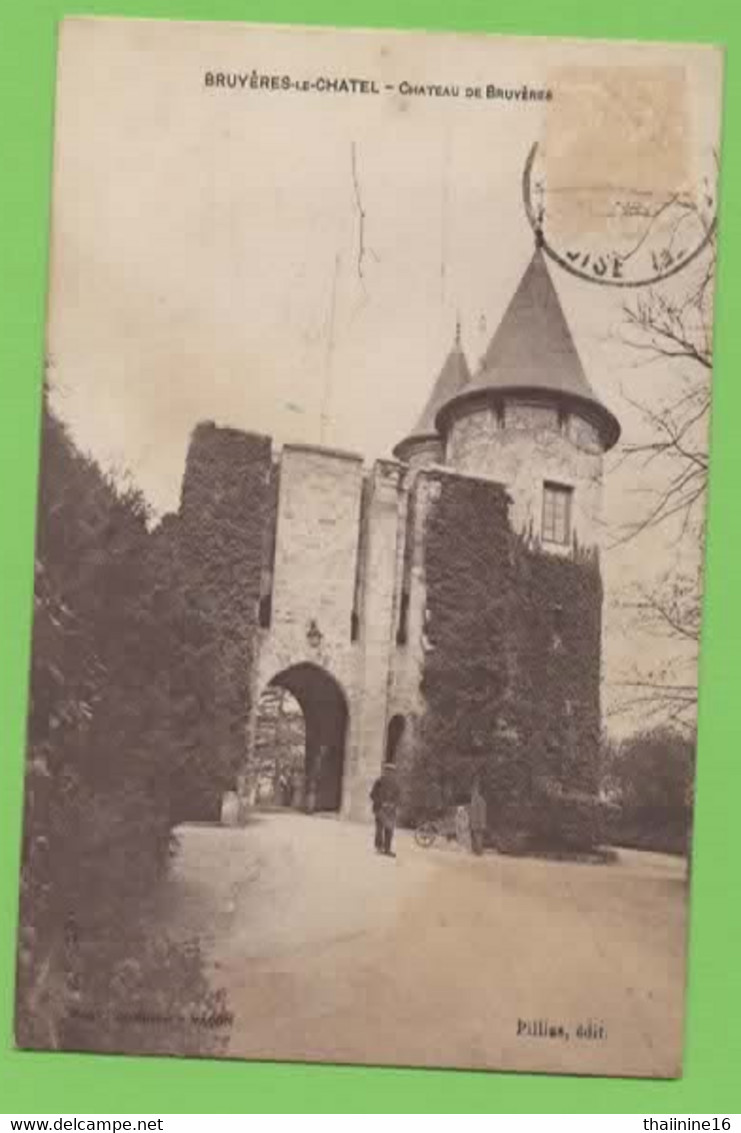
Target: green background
[31,1082]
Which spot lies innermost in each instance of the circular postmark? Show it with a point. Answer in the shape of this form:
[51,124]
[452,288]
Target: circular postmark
[618,235]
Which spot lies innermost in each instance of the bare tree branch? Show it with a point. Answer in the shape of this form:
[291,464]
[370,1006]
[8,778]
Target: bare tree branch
[673,448]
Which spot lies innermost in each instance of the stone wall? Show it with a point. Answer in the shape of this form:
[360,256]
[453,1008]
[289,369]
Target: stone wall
[377,630]
[314,573]
[409,643]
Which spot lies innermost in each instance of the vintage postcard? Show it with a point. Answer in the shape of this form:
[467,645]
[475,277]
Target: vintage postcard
[368,580]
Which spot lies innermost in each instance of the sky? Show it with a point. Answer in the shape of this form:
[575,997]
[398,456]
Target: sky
[294,262]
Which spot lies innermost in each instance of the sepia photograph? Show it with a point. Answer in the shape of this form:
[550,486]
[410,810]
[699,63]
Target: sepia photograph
[369,552]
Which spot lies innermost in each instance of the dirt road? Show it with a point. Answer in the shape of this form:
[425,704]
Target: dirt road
[330,952]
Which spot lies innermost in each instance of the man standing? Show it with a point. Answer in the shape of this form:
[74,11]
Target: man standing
[385,798]
[477,817]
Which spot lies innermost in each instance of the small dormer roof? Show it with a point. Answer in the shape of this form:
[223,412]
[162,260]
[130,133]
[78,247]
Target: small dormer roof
[453,377]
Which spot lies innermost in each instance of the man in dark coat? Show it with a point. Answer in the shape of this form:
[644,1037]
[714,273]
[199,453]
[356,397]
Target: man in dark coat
[385,798]
[477,817]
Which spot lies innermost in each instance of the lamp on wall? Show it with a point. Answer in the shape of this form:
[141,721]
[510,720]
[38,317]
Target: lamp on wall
[314,634]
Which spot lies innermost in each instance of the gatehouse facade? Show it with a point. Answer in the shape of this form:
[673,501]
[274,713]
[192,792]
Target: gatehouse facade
[330,557]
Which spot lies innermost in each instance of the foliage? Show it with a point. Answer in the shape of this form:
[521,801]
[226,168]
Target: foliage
[649,778]
[224,536]
[197,777]
[155,1002]
[511,674]
[568,820]
[468,729]
[104,738]
[559,638]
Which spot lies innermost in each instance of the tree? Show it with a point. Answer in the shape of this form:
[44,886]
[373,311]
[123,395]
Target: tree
[649,778]
[104,746]
[674,326]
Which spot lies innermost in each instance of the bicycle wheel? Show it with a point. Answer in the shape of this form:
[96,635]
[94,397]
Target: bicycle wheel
[425,834]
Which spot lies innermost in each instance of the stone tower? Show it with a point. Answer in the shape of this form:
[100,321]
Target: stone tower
[530,420]
[510,460]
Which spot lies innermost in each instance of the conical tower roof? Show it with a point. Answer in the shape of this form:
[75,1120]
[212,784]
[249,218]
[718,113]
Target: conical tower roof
[454,375]
[533,351]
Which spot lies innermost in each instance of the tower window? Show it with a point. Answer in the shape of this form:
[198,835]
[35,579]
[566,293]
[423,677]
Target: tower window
[557,499]
[265,611]
[393,736]
[403,627]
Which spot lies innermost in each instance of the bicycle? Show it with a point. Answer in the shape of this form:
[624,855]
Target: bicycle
[426,833]
[430,829]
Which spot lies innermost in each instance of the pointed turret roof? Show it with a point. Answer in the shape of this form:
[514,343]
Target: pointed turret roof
[533,351]
[454,375]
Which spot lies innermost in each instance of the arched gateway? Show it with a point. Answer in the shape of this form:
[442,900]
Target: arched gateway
[325,728]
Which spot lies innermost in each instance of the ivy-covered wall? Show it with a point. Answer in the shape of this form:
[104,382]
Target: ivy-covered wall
[469,676]
[560,647]
[226,506]
[560,644]
[511,677]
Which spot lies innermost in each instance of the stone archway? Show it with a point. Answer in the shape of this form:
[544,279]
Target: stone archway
[324,708]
